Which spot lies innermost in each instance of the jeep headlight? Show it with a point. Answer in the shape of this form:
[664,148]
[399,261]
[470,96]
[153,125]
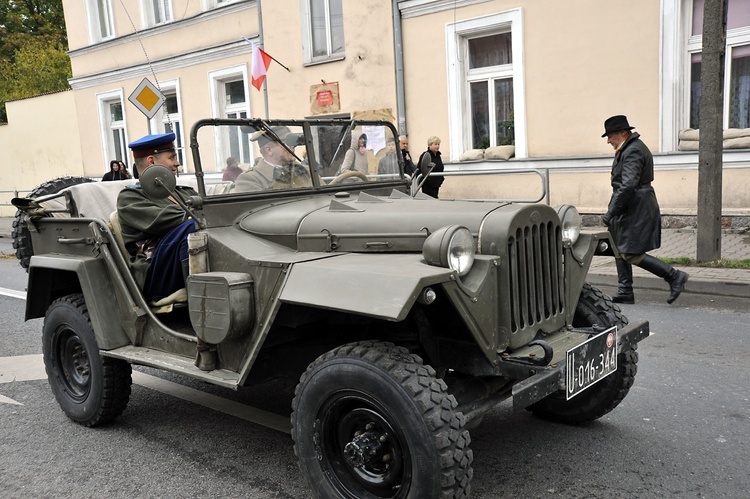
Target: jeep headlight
[570,221]
[451,247]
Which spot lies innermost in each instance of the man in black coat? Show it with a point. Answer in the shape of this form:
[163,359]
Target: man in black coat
[633,215]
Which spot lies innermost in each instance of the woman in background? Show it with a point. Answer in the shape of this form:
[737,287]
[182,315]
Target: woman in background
[115,173]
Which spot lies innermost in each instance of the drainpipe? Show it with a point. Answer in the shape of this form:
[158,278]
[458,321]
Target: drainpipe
[399,57]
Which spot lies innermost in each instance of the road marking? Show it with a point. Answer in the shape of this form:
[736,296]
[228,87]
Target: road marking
[22,368]
[31,367]
[6,400]
[13,293]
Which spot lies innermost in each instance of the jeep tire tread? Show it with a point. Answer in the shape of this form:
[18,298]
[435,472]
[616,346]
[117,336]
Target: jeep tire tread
[370,420]
[594,307]
[90,389]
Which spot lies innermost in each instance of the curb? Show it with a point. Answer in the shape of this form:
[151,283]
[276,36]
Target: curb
[695,285]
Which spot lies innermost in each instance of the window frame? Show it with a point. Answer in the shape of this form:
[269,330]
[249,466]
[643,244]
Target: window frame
[94,14]
[488,74]
[307,35]
[158,124]
[677,46]
[737,37]
[148,14]
[457,35]
[109,148]
[219,108]
[213,4]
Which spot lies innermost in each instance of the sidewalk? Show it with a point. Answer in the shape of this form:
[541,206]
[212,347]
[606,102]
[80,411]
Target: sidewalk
[675,243]
[735,245]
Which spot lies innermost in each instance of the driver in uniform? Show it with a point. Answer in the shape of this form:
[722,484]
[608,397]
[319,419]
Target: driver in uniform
[277,169]
[155,230]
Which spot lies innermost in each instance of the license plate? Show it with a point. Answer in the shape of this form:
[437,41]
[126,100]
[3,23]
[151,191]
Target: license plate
[590,362]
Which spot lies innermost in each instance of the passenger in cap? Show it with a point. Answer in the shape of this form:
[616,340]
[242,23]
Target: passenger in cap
[278,168]
[155,230]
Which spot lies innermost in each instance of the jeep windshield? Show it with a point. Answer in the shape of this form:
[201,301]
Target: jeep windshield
[236,157]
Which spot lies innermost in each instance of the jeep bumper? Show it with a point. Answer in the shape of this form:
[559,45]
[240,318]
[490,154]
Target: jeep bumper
[548,379]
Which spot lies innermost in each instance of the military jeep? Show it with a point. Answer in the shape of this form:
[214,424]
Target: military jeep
[401,319]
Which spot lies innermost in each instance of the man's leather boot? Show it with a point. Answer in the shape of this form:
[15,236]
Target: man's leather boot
[675,278]
[624,282]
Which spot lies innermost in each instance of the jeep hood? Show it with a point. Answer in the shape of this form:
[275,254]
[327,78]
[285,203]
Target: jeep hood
[398,223]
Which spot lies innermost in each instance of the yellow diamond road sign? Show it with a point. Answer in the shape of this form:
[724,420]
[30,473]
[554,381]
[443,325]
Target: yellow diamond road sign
[147,98]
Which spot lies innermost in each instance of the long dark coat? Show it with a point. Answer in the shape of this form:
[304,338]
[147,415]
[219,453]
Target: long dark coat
[633,212]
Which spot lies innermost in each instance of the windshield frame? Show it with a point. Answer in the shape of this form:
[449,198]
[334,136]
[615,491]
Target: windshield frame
[309,143]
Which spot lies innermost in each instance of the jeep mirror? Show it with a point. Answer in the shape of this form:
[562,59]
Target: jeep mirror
[426,165]
[158,181]
[425,168]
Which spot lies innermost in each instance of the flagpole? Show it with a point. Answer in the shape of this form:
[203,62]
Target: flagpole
[260,36]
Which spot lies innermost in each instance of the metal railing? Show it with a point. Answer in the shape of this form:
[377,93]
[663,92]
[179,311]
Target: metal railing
[543,175]
[15,195]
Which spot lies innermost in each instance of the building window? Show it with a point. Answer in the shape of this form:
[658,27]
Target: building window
[101,25]
[485,83]
[112,120]
[489,79]
[212,4]
[229,89]
[156,12]
[323,30]
[737,65]
[236,108]
[169,119]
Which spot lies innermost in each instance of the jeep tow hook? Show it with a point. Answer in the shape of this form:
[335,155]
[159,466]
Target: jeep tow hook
[532,359]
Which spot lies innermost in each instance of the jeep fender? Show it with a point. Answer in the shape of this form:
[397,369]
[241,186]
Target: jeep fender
[376,285]
[579,257]
[52,276]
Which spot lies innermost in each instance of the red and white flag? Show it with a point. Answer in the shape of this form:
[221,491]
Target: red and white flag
[261,61]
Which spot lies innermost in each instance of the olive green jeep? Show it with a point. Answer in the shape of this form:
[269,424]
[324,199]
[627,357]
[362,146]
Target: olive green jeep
[401,319]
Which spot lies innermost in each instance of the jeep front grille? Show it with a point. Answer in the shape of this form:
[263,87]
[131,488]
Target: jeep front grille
[536,275]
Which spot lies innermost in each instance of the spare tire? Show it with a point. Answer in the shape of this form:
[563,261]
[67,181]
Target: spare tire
[20,234]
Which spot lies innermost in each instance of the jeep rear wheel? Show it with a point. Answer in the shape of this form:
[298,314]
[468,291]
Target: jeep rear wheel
[370,420]
[90,389]
[594,307]
[20,234]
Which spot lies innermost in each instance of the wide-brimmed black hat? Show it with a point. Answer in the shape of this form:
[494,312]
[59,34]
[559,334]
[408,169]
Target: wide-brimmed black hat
[615,124]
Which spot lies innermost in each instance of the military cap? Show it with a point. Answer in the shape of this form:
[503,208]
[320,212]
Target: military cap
[152,144]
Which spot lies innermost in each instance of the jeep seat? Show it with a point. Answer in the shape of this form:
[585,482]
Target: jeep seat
[164,305]
[114,226]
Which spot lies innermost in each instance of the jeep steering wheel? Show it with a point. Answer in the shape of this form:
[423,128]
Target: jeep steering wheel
[346,175]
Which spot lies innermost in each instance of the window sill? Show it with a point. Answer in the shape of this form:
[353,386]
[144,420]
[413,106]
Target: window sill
[324,61]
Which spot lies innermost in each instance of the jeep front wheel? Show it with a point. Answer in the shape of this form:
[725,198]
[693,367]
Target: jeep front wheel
[90,389]
[370,420]
[594,307]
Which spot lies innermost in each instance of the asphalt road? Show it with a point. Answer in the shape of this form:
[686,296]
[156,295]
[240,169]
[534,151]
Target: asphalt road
[683,431]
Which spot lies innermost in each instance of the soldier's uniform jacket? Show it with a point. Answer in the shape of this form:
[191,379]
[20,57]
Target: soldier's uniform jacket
[265,176]
[144,221]
[633,211]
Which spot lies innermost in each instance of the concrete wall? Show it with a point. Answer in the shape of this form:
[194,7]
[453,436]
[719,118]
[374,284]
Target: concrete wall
[40,142]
